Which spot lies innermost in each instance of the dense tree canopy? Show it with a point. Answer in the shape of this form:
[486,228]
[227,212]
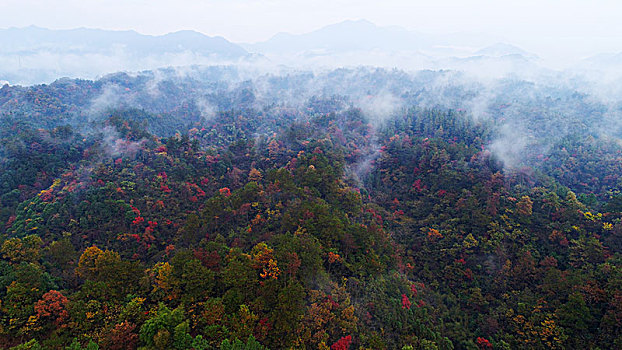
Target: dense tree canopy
[273,227]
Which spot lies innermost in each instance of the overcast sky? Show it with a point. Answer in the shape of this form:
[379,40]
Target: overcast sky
[578,27]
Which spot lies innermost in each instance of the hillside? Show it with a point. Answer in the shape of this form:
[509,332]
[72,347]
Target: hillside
[348,209]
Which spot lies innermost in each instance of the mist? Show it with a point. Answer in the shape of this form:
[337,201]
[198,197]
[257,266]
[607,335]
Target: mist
[531,102]
[383,151]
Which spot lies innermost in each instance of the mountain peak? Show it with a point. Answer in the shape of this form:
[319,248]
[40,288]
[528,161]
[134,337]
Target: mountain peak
[504,49]
[358,23]
[354,35]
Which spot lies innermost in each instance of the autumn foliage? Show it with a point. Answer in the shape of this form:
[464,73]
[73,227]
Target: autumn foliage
[342,344]
[53,305]
[305,227]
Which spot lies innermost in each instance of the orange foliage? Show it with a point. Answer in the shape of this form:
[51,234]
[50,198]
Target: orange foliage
[53,304]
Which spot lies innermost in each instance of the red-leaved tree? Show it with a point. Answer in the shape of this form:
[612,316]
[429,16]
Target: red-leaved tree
[342,344]
[53,305]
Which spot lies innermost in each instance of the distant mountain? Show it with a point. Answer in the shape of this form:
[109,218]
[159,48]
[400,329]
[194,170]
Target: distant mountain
[360,42]
[360,35]
[503,49]
[84,40]
[604,69]
[491,66]
[34,55]
[602,60]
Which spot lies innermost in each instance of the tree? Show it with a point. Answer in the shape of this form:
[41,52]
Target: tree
[237,344]
[524,206]
[53,305]
[166,329]
[107,266]
[19,250]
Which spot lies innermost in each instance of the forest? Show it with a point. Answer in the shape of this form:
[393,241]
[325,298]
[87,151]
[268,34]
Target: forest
[350,209]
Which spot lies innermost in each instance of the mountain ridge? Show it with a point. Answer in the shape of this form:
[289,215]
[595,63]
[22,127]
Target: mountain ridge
[14,40]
